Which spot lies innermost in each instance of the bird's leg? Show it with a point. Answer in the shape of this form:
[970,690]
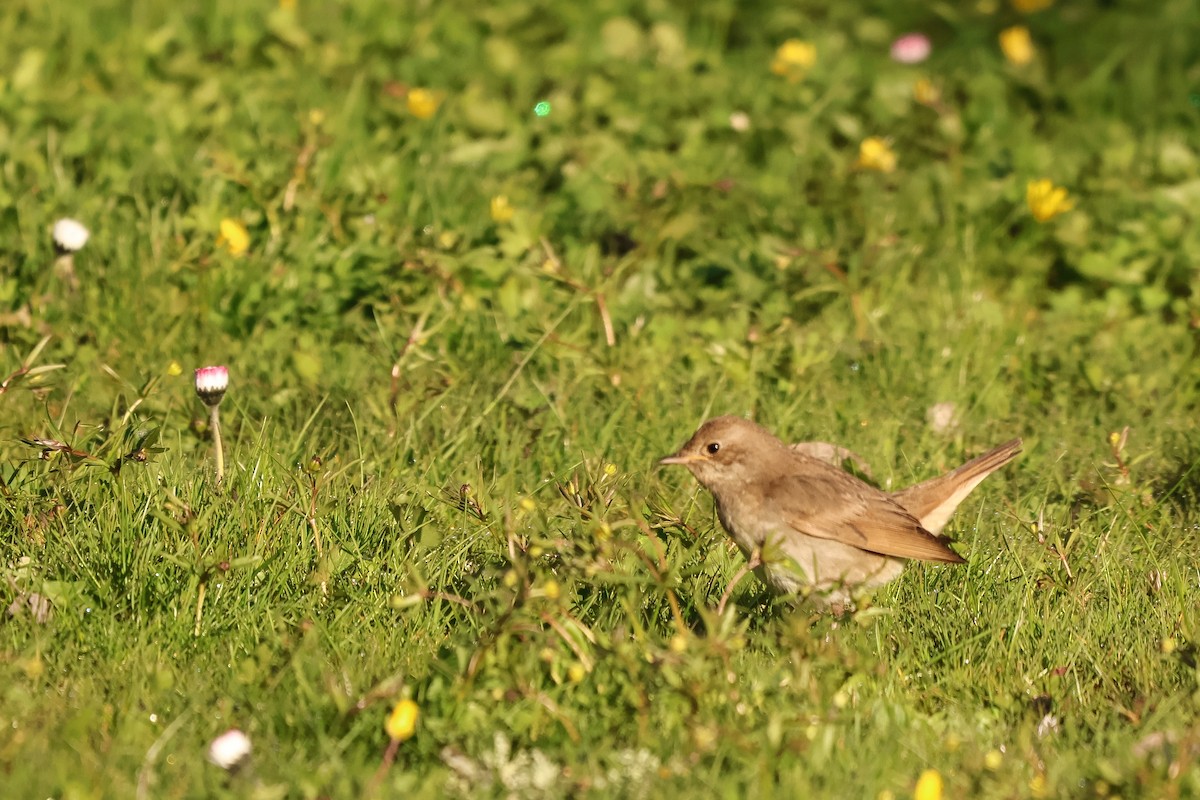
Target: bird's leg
[754,561]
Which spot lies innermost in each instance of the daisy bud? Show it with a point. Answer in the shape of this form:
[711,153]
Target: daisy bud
[211,383]
[912,48]
[229,749]
[70,235]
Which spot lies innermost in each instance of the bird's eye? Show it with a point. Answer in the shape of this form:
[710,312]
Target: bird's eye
[713,447]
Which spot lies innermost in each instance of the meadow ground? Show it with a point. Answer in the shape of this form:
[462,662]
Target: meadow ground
[472,270]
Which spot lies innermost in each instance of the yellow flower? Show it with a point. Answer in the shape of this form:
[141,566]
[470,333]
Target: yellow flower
[926,93]
[875,153]
[1031,6]
[793,58]
[174,369]
[402,722]
[287,5]
[993,760]
[1017,45]
[1046,200]
[929,786]
[422,103]
[234,237]
[502,210]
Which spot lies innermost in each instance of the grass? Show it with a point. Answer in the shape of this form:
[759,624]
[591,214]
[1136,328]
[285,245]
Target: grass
[441,426]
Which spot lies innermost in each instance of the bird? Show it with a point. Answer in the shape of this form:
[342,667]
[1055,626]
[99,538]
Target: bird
[807,527]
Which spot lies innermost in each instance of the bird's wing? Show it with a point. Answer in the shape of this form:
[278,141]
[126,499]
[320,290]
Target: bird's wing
[834,454]
[819,500]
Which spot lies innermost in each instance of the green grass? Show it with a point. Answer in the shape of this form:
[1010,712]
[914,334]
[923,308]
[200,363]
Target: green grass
[485,531]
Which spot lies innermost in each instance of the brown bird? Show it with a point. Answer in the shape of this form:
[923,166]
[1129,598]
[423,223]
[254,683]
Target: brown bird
[805,525]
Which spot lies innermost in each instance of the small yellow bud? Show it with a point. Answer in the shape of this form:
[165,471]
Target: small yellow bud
[422,103]
[704,737]
[926,92]
[1017,45]
[233,237]
[501,210]
[1031,6]
[876,154]
[929,786]
[793,58]
[402,722]
[1046,201]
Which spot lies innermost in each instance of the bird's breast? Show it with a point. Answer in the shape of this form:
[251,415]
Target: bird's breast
[749,526]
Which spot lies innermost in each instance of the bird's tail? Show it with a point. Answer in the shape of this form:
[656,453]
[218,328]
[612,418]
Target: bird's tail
[933,501]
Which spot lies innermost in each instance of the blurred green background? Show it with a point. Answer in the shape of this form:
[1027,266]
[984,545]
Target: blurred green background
[472,270]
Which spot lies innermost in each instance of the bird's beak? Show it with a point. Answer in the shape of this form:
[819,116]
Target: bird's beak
[679,459]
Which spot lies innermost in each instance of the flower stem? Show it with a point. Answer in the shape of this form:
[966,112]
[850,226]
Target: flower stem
[64,266]
[199,607]
[216,435]
[389,756]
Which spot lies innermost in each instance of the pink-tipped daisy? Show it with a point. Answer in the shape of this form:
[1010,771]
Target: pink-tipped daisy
[911,48]
[211,383]
[70,235]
